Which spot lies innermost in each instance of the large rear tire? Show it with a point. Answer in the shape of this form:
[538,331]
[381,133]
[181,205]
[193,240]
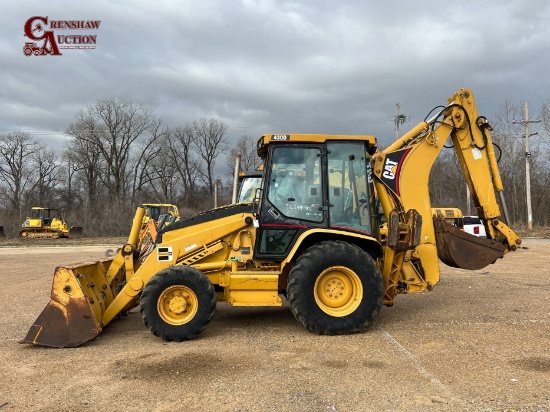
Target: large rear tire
[335,288]
[178,303]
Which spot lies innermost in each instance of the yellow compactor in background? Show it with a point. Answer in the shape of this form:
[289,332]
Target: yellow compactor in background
[311,236]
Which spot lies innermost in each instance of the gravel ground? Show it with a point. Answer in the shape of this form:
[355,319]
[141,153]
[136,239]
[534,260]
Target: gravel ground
[480,341]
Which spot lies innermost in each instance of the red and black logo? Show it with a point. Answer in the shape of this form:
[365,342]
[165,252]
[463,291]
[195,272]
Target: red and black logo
[36,29]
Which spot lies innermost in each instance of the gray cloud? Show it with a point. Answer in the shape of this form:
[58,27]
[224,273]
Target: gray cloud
[277,66]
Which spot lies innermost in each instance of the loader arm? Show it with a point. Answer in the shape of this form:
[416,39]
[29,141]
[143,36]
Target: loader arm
[401,174]
[87,297]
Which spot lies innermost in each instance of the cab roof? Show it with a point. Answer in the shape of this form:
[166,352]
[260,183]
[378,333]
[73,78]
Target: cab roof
[268,139]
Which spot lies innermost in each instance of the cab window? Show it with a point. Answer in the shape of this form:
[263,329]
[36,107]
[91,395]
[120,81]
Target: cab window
[295,183]
[348,192]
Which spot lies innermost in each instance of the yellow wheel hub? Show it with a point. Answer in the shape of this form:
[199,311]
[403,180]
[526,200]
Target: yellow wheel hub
[338,291]
[177,305]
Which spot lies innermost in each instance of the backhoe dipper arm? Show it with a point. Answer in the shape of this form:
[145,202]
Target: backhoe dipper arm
[401,174]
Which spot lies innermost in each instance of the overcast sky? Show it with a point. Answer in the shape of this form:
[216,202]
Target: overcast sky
[276,66]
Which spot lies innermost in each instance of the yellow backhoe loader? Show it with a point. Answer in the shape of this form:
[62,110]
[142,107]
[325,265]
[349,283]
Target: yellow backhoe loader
[166,212]
[312,237]
[48,223]
[249,182]
[156,216]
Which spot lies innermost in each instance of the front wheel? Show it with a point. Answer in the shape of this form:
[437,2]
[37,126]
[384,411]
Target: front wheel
[178,303]
[335,288]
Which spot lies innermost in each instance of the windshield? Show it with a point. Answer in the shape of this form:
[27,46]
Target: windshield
[248,189]
[295,182]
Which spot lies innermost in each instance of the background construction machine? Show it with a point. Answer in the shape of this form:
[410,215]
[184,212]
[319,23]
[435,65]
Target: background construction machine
[249,182]
[48,223]
[312,237]
[156,211]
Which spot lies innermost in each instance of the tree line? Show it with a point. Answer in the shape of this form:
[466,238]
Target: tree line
[119,154]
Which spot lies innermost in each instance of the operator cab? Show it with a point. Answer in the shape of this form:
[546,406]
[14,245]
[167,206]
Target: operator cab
[45,215]
[321,183]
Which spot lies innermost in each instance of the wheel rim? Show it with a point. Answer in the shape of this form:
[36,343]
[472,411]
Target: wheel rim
[338,291]
[177,305]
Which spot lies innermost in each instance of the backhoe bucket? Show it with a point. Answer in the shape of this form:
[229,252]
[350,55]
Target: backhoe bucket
[459,249]
[75,232]
[80,295]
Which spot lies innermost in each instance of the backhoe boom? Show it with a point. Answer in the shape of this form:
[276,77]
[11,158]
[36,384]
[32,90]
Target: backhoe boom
[401,173]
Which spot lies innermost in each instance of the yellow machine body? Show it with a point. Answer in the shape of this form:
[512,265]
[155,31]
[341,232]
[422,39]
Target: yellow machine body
[312,235]
[47,223]
[154,211]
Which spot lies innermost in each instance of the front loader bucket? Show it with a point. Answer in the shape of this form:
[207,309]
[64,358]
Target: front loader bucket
[80,294]
[76,232]
[459,249]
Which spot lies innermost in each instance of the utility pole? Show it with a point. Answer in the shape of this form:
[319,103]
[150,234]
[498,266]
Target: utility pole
[398,119]
[216,184]
[526,123]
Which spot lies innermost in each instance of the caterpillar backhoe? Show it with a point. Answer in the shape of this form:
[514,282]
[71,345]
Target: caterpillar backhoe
[312,236]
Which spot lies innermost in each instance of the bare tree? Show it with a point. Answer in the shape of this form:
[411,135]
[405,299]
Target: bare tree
[112,128]
[545,119]
[182,156]
[250,160]
[16,168]
[148,152]
[210,142]
[47,168]
[447,184]
[166,181]
[85,160]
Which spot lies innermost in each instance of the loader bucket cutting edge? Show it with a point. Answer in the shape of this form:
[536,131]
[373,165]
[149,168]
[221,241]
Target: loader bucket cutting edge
[459,249]
[73,315]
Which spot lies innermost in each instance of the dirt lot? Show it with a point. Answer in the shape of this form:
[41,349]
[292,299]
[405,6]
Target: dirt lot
[480,342]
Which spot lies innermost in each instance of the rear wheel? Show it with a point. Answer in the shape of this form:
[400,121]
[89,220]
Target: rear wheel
[178,303]
[335,288]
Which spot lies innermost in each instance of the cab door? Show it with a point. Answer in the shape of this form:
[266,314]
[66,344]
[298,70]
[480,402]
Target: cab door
[293,199]
[349,187]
